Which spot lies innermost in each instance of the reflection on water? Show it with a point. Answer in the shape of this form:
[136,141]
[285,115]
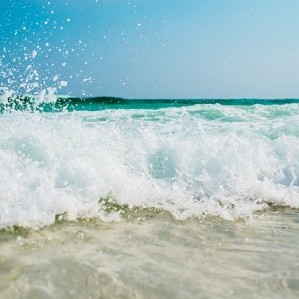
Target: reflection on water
[150,255]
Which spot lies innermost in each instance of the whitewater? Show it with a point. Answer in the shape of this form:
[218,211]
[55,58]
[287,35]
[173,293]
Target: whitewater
[96,159]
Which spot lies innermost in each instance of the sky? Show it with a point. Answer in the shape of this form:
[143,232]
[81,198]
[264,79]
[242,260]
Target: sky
[151,48]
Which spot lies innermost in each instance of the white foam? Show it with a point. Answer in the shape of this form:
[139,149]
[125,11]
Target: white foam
[174,159]
[34,54]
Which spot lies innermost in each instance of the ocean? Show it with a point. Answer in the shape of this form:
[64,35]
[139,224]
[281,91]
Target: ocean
[114,198]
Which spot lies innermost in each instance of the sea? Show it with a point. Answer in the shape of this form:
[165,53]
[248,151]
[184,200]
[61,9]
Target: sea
[107,197]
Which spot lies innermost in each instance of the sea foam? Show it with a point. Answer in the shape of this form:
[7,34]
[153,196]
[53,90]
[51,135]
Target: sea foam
[227,161]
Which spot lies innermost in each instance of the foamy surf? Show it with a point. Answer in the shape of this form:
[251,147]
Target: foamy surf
[192,161]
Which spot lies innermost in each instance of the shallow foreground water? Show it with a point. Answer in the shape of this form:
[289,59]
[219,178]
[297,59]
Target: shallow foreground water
[151,255]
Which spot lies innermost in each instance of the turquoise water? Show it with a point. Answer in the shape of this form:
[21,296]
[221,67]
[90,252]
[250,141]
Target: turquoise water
[192,158]
[100,103]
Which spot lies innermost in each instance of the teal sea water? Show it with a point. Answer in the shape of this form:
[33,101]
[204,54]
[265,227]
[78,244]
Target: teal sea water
[64,103]
[95,157]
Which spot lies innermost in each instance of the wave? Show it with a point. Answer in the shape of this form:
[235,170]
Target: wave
[191,161]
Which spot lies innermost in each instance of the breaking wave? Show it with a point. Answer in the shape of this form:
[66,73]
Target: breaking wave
[189,158]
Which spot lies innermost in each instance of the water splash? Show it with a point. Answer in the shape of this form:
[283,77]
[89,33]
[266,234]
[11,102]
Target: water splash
[200,160]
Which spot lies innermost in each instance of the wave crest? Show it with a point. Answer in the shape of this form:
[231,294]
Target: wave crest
[200,160]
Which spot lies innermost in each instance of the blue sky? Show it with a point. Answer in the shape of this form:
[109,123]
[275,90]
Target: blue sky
[151,48]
